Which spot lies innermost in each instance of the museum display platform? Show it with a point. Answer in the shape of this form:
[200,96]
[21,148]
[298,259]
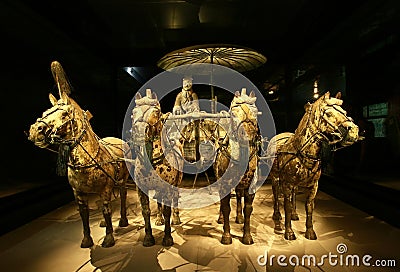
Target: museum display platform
[52,241]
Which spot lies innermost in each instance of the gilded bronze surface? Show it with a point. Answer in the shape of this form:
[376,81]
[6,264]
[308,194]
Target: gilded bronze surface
[93,165]
[297,161]
[158,164]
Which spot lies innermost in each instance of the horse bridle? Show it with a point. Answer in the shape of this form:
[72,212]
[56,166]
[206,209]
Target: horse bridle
[246,120]
[150,127]
[53,138]
[254,142]
[343,132]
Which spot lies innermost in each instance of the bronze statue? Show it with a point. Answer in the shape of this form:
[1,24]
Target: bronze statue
[158,164]
[186,101]
[93,165]
[243,124]
[297,159]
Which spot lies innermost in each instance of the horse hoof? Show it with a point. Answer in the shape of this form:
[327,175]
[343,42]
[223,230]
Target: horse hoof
[108,241]
[278,228]
[295,217]
[310,234]
[103,224]
[87,242]
[220,220]
[226,239]
[123,222]
[247,239]
[239,219]
[148,240]
[276,216]
[168,241]
[290,236]
[176,221]
[159,221]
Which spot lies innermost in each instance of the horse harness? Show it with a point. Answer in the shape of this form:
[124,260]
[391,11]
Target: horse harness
[310,159]
[66,147]
[254,142]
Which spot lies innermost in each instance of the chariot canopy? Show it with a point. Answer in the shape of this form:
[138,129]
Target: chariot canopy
[236,57]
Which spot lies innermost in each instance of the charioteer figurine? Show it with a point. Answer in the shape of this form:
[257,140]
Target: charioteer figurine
[186,101]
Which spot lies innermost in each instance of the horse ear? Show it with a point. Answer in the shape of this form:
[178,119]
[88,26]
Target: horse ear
[338,95]
[307,106]
[148,93]
[327,95]
[237,94]
[64,97]
[52,99]
[89,115]
[138,96]
[252,94]
[60,78]
[154,96]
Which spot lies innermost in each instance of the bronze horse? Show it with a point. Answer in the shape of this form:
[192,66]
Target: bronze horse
[244,129]
[297,159]
[93,165]
[158,165]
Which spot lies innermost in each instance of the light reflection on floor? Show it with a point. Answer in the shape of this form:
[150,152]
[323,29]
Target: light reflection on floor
[51,243]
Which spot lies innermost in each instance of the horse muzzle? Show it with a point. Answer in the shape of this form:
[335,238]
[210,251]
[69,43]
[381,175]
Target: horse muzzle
[349,135]
[37,135]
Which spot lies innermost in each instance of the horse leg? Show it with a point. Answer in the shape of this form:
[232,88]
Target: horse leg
[248,209]
[167,240]
[221,215]
[277,217]
[144,202]
[176,220]
[295,216]
[239,210]
[226,209]
[82,200]
[289,234]
[310,233]
[109,239]
[159,218]
[123,221]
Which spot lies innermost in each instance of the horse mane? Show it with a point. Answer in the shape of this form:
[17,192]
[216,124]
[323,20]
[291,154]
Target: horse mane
[248,100]
[311,110]
[149,99]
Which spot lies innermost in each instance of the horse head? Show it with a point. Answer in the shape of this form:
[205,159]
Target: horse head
[244,113]
[62,123]
[146,116]
[335,125]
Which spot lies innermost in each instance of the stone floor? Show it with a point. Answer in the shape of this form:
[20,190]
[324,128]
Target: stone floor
[52,242]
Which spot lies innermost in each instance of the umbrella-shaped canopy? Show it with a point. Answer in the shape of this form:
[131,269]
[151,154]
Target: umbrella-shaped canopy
[236,57]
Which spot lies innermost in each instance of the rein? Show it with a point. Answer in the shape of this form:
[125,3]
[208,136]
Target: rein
[147,155]
[252,142]
[322,137]
[66,147]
